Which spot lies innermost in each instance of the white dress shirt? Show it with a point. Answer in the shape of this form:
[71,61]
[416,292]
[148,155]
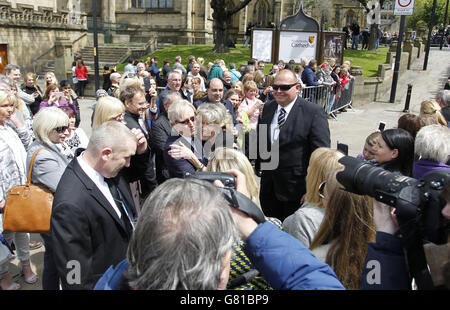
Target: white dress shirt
[99,181]
[274,129]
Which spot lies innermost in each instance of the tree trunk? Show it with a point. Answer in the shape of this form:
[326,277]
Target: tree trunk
[222,17]
[373,36]
[221,37]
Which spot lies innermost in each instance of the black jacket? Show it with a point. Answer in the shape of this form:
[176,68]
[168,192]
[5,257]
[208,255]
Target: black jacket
[141,165]
[87,235]
[305,129]
[161,130]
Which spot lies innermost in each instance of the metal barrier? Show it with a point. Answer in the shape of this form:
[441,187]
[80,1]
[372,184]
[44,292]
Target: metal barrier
[331,99]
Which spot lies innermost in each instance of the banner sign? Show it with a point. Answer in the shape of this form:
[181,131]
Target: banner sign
[295,45]
[262,45]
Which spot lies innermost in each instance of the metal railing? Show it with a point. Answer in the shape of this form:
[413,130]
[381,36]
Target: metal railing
[330,98]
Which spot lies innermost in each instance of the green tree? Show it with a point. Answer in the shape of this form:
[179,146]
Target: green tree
[422,13]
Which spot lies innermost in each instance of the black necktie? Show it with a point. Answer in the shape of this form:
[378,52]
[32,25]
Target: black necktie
[281,117]
[126,218]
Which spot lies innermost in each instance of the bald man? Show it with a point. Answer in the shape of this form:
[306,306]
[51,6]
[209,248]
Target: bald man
[293,129]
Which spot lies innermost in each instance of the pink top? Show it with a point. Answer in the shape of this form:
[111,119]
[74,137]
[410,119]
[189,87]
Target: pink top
[246,105]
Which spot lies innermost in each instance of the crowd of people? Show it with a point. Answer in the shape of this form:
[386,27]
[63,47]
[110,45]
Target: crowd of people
[128,213]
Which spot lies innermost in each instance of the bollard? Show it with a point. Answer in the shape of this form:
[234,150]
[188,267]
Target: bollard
[408,98]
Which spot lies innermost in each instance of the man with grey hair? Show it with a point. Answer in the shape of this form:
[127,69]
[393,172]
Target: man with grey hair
[177,65]
[93,211]
[174,80]
[115,79]
[161,130]
[184,242]
[13,72]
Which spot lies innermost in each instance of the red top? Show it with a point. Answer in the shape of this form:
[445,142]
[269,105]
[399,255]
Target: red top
[81,73]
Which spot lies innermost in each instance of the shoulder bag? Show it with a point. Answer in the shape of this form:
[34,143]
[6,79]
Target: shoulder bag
[28,207]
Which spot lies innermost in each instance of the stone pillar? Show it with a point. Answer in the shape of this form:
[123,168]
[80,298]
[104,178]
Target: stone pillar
[109,11]
[64,57]
[359,91]
[277,12]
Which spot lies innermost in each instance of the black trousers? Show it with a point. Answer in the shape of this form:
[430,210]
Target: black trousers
[272,207]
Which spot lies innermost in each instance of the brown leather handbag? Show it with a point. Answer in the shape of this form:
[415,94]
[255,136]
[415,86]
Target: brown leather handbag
[28,207]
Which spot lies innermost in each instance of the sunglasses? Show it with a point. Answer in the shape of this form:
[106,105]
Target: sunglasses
[61,129]
[283,87]
[321,189]
[186,121]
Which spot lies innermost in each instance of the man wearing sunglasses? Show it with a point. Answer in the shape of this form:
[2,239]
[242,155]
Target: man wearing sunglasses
[295,128]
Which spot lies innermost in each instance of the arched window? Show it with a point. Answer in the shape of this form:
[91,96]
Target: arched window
[152,4]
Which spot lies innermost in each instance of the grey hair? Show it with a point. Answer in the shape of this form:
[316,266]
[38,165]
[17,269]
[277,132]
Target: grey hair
[11,67]
[112,134]
[214,113]
[232,65]
[171,73]
[432,142]
[181,237]
[176,110]
[166,97]
[444,96]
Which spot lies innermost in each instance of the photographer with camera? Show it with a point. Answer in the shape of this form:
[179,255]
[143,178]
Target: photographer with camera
[184,242]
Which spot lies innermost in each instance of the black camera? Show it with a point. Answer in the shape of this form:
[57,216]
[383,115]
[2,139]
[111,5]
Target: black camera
[233,197]
[227,179]
[417,202]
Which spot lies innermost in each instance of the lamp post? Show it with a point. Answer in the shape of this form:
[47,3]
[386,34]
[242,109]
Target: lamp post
[94,24]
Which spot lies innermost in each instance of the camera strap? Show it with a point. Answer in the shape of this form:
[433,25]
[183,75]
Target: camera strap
[242,203]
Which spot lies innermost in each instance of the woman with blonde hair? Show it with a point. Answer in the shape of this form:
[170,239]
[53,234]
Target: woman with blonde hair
[108,109]
[225,159]
[347,228]
[51,127]
[14,140]
[305,222]
[429,107]
[50,78]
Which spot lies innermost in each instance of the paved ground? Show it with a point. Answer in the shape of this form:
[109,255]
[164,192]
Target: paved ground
[350,128]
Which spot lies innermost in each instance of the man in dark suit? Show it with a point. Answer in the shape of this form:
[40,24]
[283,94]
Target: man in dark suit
[161,130]
[183,151]
[93,212]
[293,129]
[141,167]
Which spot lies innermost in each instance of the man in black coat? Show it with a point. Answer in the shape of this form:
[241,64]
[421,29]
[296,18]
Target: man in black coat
[161,130]
[93,212]
[293,129]
[141,167]
[215,93]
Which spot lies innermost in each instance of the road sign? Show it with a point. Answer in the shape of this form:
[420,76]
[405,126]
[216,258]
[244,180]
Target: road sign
[404,7]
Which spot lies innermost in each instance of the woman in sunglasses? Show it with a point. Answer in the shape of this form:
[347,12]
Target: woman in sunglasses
[51,127]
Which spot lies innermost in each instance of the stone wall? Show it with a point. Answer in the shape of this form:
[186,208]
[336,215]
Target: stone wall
[29,33]
[369,89]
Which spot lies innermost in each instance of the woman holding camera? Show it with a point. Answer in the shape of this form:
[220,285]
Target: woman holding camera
[395,151]
[54,98]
